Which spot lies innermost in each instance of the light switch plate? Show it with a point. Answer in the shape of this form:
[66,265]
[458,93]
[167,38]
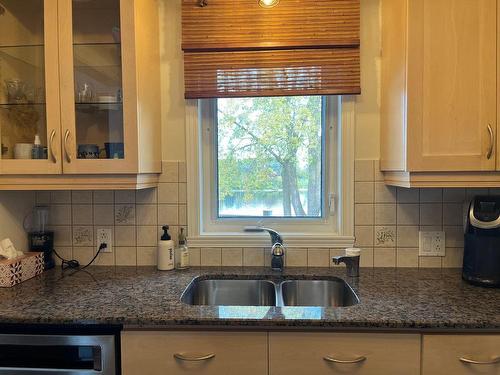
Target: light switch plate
[431,244]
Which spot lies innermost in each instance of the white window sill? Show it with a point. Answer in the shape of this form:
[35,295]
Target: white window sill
[263,240]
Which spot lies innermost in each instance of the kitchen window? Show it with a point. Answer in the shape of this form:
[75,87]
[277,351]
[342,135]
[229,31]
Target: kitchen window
[282,162]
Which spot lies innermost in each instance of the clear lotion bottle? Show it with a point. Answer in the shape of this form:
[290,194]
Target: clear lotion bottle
[166,251]
[182,252]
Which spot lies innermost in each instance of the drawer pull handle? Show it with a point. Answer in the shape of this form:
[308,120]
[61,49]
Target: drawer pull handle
[469,361]
[200,358]
[345,361]
[492,142]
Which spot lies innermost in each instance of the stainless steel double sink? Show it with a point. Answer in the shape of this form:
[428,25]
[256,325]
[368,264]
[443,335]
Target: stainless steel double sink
[333,292]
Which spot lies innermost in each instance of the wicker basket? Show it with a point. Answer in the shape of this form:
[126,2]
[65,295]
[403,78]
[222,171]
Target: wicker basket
[15,271]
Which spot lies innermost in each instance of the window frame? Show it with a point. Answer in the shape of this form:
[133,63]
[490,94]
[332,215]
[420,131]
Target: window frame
[334,229]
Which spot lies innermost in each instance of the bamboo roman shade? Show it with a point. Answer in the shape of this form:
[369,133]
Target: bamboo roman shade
[236,48]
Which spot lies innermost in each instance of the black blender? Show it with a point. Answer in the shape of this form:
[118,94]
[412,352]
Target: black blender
[39,237]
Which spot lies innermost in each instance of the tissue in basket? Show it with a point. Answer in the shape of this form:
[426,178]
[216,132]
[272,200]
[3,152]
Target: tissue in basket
[15,271]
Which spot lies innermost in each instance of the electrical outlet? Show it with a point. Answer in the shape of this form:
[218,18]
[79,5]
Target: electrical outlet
[432,244]
[104,235]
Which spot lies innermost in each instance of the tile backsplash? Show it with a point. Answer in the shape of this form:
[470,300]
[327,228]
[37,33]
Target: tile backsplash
[135,218]
[387,222]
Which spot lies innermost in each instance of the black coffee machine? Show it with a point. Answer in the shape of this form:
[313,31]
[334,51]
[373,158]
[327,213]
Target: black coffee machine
[482,242]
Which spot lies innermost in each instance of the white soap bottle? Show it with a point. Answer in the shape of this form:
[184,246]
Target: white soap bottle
[166,251]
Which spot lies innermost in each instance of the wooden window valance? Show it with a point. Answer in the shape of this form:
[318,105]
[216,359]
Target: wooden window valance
[236,48]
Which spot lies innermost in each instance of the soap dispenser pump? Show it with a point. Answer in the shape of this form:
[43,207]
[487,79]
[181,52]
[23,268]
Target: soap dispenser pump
[166,251]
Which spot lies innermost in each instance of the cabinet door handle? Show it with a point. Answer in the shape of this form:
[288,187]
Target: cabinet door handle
[188,358]
[345,361]
[66,151]
[51,146]
[471,361]
[492,142]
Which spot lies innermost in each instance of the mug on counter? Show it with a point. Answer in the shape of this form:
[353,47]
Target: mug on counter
[88,151]
[23,150]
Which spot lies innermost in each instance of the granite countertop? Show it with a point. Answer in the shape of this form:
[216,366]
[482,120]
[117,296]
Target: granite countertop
[403,299]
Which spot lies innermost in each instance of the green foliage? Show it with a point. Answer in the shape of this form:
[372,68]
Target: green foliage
[270,144]
[246,175]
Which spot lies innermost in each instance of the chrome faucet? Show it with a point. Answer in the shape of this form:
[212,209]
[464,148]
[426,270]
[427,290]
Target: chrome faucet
[277,249]
[351,262]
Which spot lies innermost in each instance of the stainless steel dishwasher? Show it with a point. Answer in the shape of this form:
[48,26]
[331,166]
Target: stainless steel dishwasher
[58,354]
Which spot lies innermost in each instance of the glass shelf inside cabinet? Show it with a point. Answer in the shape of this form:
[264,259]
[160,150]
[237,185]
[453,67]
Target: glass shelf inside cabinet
[2,46]
[97,44]
[92,107]
[9,105]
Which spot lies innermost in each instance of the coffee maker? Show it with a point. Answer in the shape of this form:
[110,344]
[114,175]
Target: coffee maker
[39,237]
[482,242]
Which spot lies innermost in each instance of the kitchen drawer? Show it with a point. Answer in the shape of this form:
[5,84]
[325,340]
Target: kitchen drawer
[442,354]
[152,353]
[328,353]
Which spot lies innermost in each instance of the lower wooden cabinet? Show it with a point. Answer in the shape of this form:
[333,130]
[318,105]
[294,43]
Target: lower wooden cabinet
[344,353]
[309,353]
[200,353]
[461,354]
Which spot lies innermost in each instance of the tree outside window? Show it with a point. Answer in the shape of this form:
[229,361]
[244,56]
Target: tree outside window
[269,157]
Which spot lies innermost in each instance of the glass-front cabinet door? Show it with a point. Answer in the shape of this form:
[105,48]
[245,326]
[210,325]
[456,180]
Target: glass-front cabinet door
[97,133]
[29,88]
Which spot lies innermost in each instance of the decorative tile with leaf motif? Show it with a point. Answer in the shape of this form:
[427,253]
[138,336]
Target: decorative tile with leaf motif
[83,236]
[385,236]
[125,214]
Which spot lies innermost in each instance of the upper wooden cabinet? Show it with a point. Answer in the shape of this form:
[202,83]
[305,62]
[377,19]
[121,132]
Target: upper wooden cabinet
[439,92]
[29,87]
[83,76]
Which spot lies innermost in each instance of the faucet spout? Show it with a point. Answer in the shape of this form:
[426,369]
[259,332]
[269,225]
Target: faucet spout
[275,236]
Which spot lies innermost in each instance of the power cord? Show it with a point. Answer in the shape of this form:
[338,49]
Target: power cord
[101,247]
[65,264]
[74,264]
